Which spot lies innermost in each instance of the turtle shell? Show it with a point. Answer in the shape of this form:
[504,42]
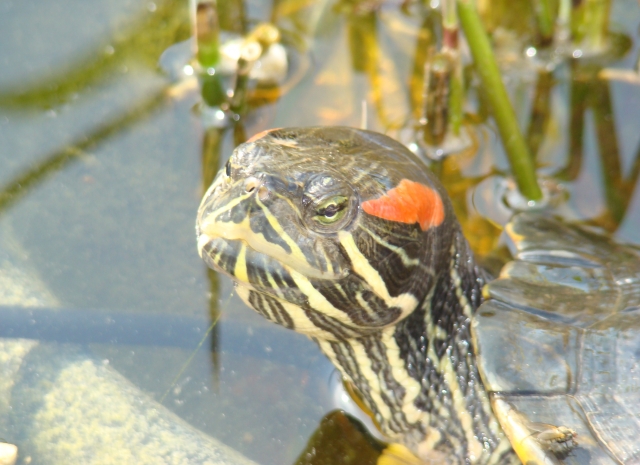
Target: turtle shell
[558,345]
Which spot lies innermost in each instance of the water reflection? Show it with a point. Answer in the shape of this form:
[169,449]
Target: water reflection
[108,202]
[14,190]
[140,43]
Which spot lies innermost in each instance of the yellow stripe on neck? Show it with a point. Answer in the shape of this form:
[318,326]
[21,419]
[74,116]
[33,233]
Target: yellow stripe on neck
[405,302]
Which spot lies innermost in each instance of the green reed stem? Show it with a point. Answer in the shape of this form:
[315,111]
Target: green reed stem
[563,21]
[450,33]
[486,66]
[207,34]
[590,21]
[595,23]
[540,111]
[456,96]
[545,20]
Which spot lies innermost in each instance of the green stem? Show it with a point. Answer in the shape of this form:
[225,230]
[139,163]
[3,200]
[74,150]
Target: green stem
[456,96]
[238,104]
[207,34]
[540,111]
[545,20]
[578,97]
[596,23]
[424,44]
[363,42]
[486,66]
[605,125]
[449,17]
[564,12]
[213,92]
[562,33]
[450,48]
[590,22]
[436,98]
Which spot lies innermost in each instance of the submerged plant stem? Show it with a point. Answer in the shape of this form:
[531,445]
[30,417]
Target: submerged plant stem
[486,66]
[540,112]
[450,26]
[545,20]
[589,24]
[595,22]
[456,96]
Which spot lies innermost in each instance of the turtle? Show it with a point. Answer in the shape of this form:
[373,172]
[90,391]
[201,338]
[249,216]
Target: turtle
[345,235]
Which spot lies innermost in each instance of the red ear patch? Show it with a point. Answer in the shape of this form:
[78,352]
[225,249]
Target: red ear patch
[408,202]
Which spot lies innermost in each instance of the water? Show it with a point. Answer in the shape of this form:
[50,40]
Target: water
[101,173]
[102,178]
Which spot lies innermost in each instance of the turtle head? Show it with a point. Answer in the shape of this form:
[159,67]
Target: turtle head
[335,232]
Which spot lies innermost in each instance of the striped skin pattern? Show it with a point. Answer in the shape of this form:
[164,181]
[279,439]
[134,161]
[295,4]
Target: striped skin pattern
[326,231]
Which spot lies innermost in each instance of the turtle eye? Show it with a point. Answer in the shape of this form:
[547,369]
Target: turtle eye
[331,210]
[227,168]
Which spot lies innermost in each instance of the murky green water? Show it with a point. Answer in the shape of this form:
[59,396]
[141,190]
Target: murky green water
[101,173]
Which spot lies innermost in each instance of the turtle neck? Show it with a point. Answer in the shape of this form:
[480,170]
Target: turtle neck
[419,379]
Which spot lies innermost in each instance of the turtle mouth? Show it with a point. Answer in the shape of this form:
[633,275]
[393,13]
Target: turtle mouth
[259,239]
[249,258]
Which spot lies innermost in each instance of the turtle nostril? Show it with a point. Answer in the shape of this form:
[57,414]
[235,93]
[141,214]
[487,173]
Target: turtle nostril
[250,184]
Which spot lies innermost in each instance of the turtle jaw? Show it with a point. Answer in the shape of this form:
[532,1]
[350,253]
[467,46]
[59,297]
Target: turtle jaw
[220,242]
[259,242]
